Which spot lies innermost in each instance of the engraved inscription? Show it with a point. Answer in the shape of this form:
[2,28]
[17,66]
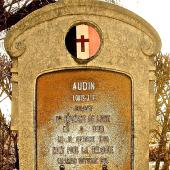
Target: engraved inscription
[84,86]
[84,98]
[85,123]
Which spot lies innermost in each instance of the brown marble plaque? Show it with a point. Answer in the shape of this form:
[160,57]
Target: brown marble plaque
[84,120]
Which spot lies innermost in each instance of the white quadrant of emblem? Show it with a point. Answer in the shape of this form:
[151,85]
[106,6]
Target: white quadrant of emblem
[82,41]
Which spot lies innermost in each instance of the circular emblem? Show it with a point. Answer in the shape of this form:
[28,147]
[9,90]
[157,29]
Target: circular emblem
[83,42]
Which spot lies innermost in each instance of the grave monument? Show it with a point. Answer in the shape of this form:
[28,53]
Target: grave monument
[83,99]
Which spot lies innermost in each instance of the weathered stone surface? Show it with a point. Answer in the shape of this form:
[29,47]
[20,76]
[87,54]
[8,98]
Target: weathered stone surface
[85,119]
[37,47]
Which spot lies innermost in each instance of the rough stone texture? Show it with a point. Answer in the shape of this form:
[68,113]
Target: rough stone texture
[112,100]
[37,46]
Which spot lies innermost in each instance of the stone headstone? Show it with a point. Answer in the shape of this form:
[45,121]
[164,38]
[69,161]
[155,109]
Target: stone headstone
[83,76]
[85,118]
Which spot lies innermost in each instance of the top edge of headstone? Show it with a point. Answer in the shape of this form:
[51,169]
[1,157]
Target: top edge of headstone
[70,7]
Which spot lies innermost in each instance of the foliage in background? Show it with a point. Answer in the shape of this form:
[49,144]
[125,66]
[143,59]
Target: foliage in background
[162,91]
[8,138]
[8,146]
[163,106]
[5,76]
[12,11]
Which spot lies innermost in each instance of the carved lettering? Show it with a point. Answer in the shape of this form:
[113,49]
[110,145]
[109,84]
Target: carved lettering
[58,150]
[98,128]
[72,150]
[60,139]
[67,161]
[85,139]
[75,118]
[84,150]
[103,149]
[88,160]
[84,86]
[104,139]
[70,139]
[87,108]
[84,98]
[99,118]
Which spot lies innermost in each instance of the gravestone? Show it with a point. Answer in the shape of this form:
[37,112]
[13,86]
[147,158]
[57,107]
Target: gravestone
[83,97]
